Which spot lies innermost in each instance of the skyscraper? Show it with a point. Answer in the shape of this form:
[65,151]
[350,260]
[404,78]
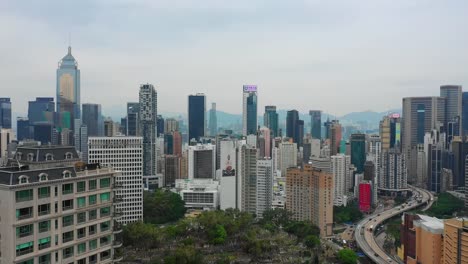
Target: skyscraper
[81,140]
[358,151]
[316,123]
[453,104]
[196,116]
[394,174]
[92,118]
[5,113]
[147,117]
[247,169]
[340,166]
[270,120]
[249,110]
[294,127]
[23,130]
[264,142]
[264,188]
[202,161]
[213,120]
[133,120]
[390,132]
[464,121]
[41,110]
[68,91]
[159,125]
[335,135]
[170,125]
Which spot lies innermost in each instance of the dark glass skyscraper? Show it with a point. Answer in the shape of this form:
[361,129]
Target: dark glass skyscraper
[294,127]
[133,111]
[92,118]
[148,114]
[465,113]
[316,124]
[159,125]
[38,109]
[270,120]
[196,116]
[23,129]
[358,151]
[249,111]
[5,112]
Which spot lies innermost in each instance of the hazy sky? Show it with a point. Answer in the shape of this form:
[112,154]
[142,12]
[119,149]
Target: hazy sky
[338,56]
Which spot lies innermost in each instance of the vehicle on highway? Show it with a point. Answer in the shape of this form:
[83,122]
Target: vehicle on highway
[371,228]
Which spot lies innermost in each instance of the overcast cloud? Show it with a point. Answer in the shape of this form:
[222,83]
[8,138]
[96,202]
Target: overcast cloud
[338,56]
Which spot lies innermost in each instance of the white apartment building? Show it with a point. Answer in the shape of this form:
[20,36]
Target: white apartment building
[288,156]
[202,161]
[340,166]
[264,186]
[199,193]
[124,154]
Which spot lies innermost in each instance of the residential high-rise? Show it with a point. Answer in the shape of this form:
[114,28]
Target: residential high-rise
[358,151]
[455,242]
[6,136]
[5,113]
[148,99]
[248,175]
[335,134]
[230,166]
[23,130]
[390,131]
[92,118]
[196,116]
[270,120]
[41,110]
[264,142]
[394,174]
[109,128]
[249,110]
[124,154]
[171,169]
[316,124]
[309,196]
[213,120]
[420,115]
[453,104]
[170,125]
[55,212]
[264,188]
[288,156]
[340,167]
[133,120]
[68,91]
[81,140]
[201,161]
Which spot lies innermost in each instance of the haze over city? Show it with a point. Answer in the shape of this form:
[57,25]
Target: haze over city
[327,55]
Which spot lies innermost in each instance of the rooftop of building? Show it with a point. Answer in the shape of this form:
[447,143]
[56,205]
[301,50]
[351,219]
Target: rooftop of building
[430,224]
[43,153]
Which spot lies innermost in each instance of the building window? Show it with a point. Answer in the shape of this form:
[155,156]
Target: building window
[92,185]
[30,156]
[92,199]
[44,243]
[23,179]
[92,244]
[24,195]
[81,202]
[92,215]
[67,188]
[105,197]
[104,240]
[104,183]
[67,205]
[24,213]
[105,226]
[44,226]
[19,155]
[68,155]
[66,174]
[81,186]
[81,248]
[24,231]
[43,192]
[68,252]
[105,255]
[25,248]
[81,217]
[92,230]
[67,220]
[49,156]
[105,211]
[43,209]
[67,237]
[45,259]
[42,177]
[93,259]
[81,261]
[80,233]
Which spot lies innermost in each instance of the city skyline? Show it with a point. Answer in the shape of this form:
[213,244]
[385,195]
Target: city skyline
[326,65]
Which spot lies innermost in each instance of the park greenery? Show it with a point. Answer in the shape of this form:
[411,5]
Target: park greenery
[347,256]
[162,207]
[445,206]
[228,236]
[344,214]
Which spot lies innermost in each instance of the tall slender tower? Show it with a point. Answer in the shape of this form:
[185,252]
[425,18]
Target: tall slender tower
[249,110]
[270,120]
[316,124]
[196,116]
[213,120]
[147,119]
[68,91]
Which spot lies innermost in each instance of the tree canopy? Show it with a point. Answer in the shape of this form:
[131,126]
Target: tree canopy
[347,256]
[162,207]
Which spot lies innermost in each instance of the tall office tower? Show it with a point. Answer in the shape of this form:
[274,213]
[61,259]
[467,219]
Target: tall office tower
[264,186]
[43,132]
[340,166]
[270,120]
[334,131]
[264,142]
[123,154]
[358,151]
[81,140]
[309,196]
[434,145]
[123,126]
[292,126]
[230,184]
[5,113]
[213,121]
[201,161]
[327,124]
[249,110]
[168,144]
[464,119]
[300,132]
[6,136]
[375,156]
[420,115]
[459,151]
[23,130]
[170,125]
[176,143]
[394,174]
[68,91]
[390,132]
[41,110]
[54,212]
[196,116]
[316,124]
[92,118]
[455,241]
[288,156]
[147,118]
[171,170]
[247,164]
[159,125]
[133,120]
[453,104]
[109,128]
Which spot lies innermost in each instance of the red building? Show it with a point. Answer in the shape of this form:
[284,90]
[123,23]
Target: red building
[365,196]
[408,236]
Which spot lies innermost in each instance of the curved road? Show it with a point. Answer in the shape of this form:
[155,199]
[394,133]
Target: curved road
[365,238]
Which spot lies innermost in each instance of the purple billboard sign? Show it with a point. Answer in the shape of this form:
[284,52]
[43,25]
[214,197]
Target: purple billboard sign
[250,88]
